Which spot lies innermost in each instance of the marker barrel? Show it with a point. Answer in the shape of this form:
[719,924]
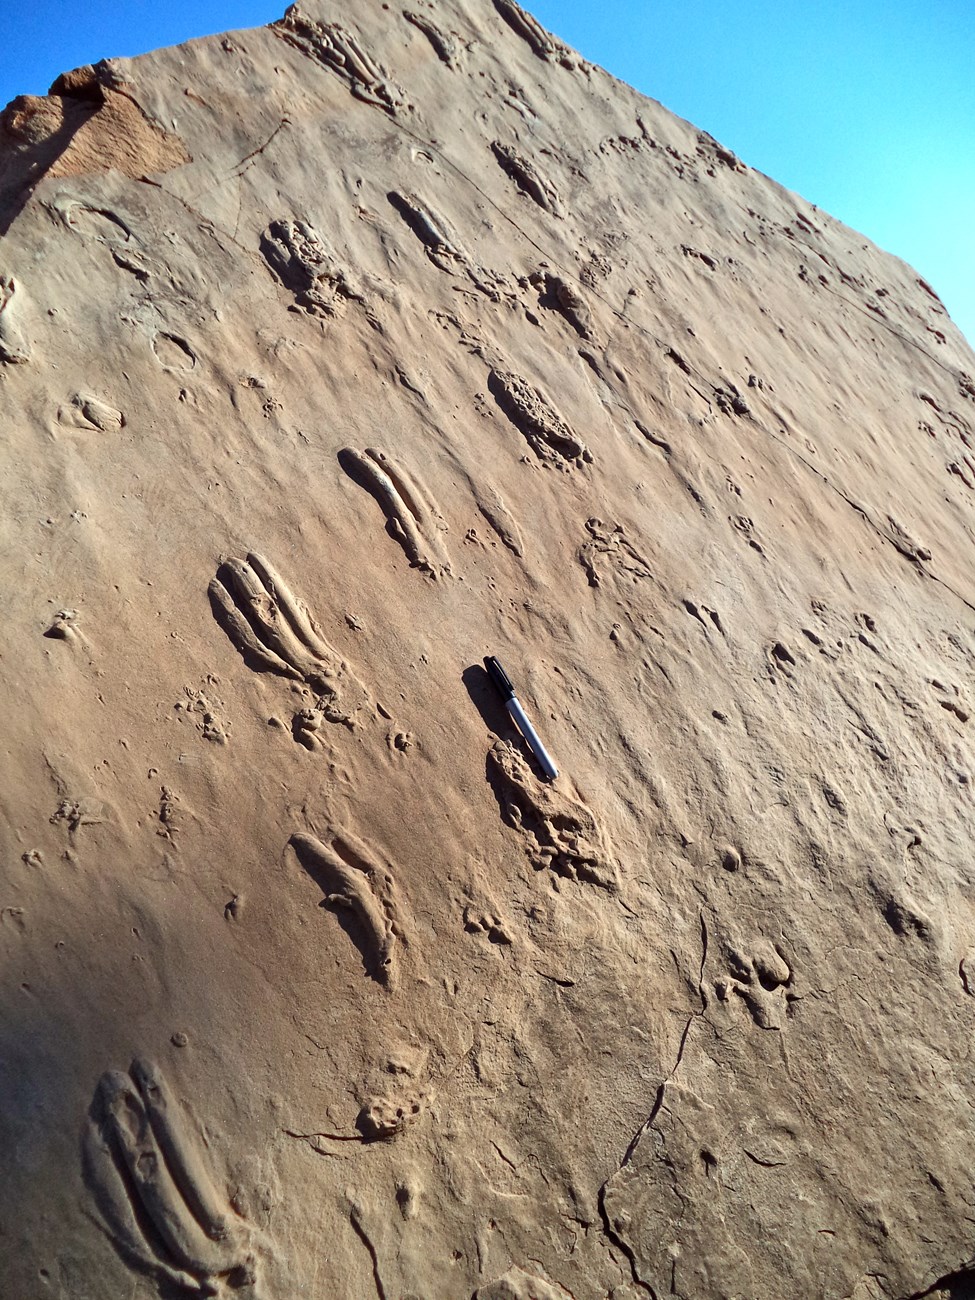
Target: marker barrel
[531,735]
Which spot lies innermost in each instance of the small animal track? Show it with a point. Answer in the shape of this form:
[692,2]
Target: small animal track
[534,416]
[542,43]
[487,921]
[354,876]
[951,700]
[491,505]
[763,979]
[678,361]
[169,814]
[728,400]
[713,150]
[780,659]
[87,412]
[411,514]
[401,742]
[298,257]
[517,1284]
[905,543]
[834,800]
[446,45]
[133,262]
[611,544]
[340,52]
[79,803]
[76,813]
[145,1168]
[902,914]
[951,422]
[100,224]
[203,709]
[64,627]
[956,426]
[746,527]
[561,833]
[431,229]
[527,177]
[173,352]
[709,262]
[274,632]
[725,397]
[831,646]
[964,471]
[382,1118]
[14,348]
[712,619]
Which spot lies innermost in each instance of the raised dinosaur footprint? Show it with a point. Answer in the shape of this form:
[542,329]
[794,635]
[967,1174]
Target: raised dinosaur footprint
[560,832]
[353,875]
[343,54]
[299,257]
[156,1198]
[411,513]
[530,411]
[274,632]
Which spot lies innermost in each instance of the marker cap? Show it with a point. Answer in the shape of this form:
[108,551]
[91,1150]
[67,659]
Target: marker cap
[500,678]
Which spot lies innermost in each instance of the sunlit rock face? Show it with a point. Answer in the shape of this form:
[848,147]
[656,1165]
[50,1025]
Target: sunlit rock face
[335,356]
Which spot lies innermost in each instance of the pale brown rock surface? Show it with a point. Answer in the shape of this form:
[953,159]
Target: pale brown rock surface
[334,356]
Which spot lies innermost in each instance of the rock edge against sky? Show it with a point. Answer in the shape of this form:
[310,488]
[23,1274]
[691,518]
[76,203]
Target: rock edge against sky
[334,356]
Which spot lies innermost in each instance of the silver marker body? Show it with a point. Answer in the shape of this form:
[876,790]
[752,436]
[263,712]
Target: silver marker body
[518,715]
[531,735]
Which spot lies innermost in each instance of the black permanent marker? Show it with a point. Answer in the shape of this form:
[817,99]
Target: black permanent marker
[507,692]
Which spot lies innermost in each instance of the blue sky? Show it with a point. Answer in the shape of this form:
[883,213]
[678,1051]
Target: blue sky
[865,107]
